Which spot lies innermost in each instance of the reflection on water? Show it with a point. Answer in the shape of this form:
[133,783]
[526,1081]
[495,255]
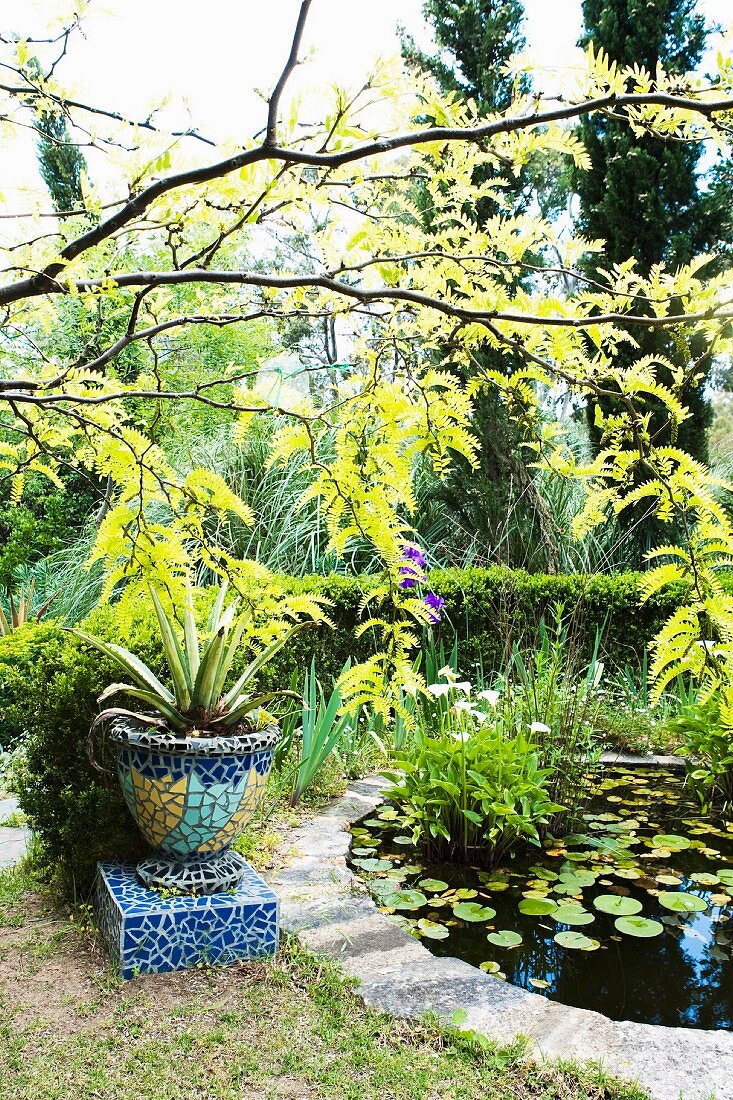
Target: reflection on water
[642,839]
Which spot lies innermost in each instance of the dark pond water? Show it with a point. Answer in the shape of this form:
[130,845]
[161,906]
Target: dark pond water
[631,916]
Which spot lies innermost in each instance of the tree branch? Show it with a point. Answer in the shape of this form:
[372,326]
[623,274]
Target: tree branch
[385,294]
[290,64]
[43,282]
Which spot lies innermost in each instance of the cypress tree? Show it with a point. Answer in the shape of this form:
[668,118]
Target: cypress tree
[495,504]
[475,38]
[644,196]
[61,162]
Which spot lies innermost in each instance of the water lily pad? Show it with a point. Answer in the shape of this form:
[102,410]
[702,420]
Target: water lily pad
[374,864]
[567,889]
[577,941]
[539,983]
[544,873]
[680,902]
[671,840]
[574,839]
[669,880]
[725,875]
[489,967]
[402,839]
[505,938]
[537,907]
[704,878]
[380,887]
[572,914]
[363,851]
[629,873]
[433,930]
[583,878]
[495,886]
[473,911]
[641,927]
[406,899]
[433,885]
[617,905]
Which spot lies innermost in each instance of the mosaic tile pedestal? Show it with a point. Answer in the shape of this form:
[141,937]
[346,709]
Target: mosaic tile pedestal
[149,934]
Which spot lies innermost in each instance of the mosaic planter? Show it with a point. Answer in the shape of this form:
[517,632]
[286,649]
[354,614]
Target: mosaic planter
[191,797]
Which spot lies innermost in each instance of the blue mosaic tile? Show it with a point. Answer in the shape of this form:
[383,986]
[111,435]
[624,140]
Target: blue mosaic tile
[148,934]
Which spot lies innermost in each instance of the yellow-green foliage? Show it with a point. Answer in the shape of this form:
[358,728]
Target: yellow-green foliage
[462,285]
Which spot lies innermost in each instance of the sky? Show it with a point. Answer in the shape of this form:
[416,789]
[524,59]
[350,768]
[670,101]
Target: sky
[208,57]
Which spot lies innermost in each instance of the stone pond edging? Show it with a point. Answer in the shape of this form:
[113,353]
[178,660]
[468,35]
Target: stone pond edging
[331,913]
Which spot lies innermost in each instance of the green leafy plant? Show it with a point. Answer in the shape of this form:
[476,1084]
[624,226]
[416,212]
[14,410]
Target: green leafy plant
[198,672]
[470,787]
[322,727]
[556,692]
[708,744]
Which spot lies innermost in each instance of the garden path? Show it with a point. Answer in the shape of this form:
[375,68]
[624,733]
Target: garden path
[13,841]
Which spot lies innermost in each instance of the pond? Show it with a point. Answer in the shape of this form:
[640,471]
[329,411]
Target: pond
[629,916]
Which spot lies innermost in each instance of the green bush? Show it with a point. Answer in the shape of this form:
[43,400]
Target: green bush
[708,744]
[49,683]
[490,609]
[49,680]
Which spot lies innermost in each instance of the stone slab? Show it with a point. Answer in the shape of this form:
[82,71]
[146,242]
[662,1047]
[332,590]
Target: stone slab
[8,806]
[150,934]
[13,844]
[643,760]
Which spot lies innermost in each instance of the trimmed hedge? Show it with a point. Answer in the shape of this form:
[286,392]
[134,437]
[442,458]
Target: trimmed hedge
[49,681]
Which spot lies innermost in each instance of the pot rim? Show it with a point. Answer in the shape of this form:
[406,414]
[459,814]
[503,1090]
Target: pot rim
[124,734]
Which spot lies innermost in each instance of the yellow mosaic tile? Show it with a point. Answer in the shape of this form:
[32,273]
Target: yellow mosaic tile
[154,795]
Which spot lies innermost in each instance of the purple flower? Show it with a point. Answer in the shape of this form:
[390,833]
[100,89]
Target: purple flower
[411,573]
[435,605]
[414,554]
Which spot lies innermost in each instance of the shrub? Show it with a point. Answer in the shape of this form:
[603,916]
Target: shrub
[49,681]
[708,742]
[49,688]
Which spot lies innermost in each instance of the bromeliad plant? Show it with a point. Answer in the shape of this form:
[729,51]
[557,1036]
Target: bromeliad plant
[197,703]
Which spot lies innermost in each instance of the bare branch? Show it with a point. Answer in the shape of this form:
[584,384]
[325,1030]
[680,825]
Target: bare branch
[274,102]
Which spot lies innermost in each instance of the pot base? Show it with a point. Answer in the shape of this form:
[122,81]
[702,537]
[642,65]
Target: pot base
[148,933]
[216,873]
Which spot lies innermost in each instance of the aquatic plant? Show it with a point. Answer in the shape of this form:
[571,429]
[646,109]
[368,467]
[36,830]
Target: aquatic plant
[468,787]
[555,690]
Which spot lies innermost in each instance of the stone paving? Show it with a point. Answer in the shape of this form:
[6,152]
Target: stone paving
[331,913]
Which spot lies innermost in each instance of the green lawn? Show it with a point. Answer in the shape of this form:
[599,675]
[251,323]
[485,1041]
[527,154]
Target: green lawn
[293,1028]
